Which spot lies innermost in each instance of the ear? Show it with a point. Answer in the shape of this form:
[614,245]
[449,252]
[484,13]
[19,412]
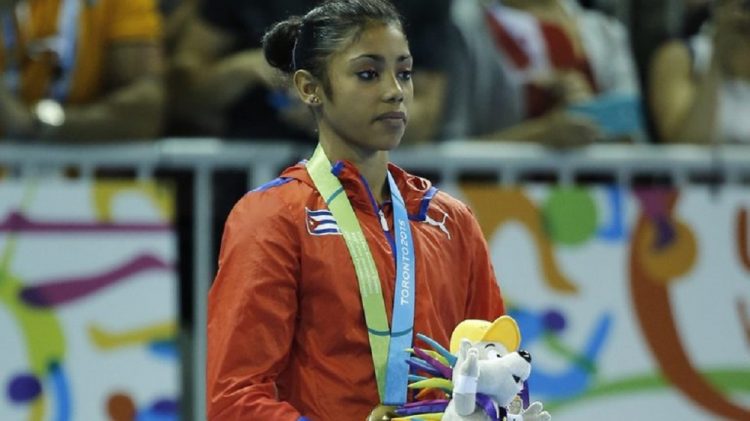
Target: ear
[308,88]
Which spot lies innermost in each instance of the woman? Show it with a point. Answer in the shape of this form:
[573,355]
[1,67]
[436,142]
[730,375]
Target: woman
[301,324]
[700,88]
[567,71]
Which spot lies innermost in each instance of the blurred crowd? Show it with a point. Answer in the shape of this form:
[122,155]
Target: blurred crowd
[561,73]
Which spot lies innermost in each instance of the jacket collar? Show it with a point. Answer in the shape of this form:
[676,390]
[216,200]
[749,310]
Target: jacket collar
[416,191]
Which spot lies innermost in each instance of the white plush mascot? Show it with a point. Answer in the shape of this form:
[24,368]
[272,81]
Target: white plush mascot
[479,378]
[489,373]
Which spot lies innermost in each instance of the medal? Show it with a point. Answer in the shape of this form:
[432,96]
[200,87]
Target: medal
[516,406]
[381,413]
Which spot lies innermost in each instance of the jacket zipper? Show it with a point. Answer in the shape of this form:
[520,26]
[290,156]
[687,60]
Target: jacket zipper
[383,221]
[381,216]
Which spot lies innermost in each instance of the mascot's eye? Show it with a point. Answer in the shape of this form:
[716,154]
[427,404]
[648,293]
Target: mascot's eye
[492,354]
[517,379]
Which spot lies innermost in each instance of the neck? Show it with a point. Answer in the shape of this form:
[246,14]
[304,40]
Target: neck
[372,164]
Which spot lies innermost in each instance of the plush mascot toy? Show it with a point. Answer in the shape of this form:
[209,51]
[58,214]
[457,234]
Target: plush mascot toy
[481,376]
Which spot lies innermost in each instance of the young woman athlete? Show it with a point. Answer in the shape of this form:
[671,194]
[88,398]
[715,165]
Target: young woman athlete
[327,273]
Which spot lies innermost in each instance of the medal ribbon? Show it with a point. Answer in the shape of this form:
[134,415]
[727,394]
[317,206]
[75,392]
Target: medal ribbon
[388,346]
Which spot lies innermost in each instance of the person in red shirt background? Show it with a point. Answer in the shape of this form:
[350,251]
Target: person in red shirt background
[345,251]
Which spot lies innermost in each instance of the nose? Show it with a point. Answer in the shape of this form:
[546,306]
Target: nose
[393,92]
[525,355]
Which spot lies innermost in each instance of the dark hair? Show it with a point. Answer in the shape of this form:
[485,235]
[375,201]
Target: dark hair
[305,42]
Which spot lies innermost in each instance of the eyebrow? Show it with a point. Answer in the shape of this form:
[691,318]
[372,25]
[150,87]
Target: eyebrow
[489,345]
[380,59]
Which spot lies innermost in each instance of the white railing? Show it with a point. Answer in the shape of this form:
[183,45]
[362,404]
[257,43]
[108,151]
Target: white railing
[508,163]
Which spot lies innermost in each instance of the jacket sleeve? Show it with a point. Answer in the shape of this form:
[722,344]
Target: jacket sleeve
[252,307]
[484,300]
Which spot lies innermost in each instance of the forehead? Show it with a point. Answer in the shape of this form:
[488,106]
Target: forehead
[381,39]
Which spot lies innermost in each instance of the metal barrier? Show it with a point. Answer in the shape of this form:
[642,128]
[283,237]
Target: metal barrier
[449,163]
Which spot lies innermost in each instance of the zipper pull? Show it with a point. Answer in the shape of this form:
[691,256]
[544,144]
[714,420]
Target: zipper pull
[383,221]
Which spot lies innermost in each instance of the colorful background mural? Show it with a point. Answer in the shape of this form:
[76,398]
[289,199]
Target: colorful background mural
[633,303]
[88,302]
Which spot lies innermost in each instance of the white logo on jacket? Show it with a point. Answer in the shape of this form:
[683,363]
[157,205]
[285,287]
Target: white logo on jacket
[441,224]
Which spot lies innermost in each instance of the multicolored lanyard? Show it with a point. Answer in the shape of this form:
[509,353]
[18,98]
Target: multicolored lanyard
[64,44]
[388,346]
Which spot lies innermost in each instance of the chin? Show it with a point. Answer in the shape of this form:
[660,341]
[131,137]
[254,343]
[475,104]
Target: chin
[392,144]
[394,139]
[384,143]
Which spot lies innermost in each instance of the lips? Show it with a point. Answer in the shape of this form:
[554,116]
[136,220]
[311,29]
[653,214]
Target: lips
[391,116]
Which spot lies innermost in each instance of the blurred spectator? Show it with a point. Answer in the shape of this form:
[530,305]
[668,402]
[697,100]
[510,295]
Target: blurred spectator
[546,71]
[167,7]
[177,15]
[223,86]
[220,81]
[694,14]
[700,87]
[80,70]
[558,39]
[431,38]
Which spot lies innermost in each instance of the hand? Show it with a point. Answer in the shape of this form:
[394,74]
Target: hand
[536,412]
[565,87]
[466,363]
[16,120]
[563,130]
[470,367]
[572,87]
[465,378]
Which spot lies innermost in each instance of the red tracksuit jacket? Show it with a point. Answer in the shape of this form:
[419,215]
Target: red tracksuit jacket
[286,330]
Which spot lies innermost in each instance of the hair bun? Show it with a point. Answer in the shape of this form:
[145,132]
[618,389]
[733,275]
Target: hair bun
[278,43]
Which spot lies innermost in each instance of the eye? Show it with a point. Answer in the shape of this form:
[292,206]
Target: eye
[367,74]
[492,354]
[405,75]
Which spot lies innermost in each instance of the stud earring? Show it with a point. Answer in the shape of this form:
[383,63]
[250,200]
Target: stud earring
[315,100]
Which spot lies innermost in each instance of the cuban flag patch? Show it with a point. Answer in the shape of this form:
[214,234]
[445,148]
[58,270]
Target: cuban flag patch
[321,222]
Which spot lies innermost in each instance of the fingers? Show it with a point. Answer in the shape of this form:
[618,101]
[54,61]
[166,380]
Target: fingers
[575,87]
[463,349]
[535,407]
[536,412]
[471,366]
